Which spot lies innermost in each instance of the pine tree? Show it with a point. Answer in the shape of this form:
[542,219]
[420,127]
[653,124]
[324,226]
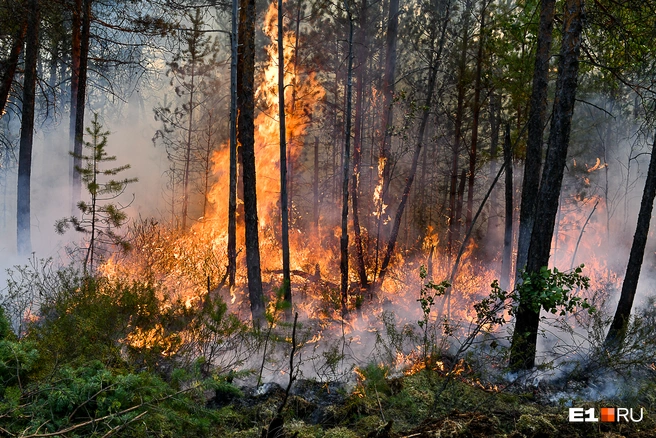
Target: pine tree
[102,215]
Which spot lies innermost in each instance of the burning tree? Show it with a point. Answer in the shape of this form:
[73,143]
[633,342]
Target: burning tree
[100,217]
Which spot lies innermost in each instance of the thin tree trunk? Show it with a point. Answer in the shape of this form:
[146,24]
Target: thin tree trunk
[286,277]
[9,67]
[88,261]
[508,232]
[618,327]
[523,348]
[536,123]
[190,128]
[85,37]
[357,146]
[454,225]
[388,97]
[384,157]
[476,114]
[207,168]
[459,204]
[246,138]
[24,242]
[344,265]
[76,48]
[232,196]
[315,185]
[492,235]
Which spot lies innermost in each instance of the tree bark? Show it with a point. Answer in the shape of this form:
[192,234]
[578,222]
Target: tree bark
[23,238]
[618,327]
[10,65]
[459,204]
[508,231]
[246,139]
[344,264]
[475,118]
[536,123]
[286,277]
[80,95]
[388,97]
[384,157]
[523,348]
[232,197]
[315,186]
[357,145]
[454,218]
[76,48]
[492,235]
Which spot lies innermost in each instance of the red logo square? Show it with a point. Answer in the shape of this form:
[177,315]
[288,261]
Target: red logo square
[607,415]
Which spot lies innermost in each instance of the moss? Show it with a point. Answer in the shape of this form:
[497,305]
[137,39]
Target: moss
[253,432]
[367,424]
[303,430]
[340,432]
[537,426]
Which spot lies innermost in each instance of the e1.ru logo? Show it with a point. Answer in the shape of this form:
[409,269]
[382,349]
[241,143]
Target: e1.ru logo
[608,415]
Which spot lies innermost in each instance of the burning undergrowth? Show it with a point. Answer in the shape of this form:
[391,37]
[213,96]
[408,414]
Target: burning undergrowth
[379,371]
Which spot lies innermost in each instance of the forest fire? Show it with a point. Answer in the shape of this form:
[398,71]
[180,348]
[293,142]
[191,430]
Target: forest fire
[351,219]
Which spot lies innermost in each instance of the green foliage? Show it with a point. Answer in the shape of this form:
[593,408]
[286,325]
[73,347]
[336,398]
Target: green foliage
[91,400]
[215,337]
[374,378]
[16,358]
[5,326]
[95,318]
[429,291]
[73,373]
[100,217]
[553,290]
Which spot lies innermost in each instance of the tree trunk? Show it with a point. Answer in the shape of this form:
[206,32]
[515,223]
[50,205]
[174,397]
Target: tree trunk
[620,323]
[344,265]
[507,235]
[536,123]
[76,48]
[190,128]
[384,157]
[81,95]
[9,67]
[286,277]
[476,114]
[454,223]
[459,204]
[388,97]
[315,185]
[232,197]
[492,234]
[246,138]
[207,163]
[24,242]
[523,348]
[357,145]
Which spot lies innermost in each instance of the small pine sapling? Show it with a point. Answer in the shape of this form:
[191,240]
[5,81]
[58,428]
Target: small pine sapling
[101,215]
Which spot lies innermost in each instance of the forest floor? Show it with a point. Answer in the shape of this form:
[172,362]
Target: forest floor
[424,404]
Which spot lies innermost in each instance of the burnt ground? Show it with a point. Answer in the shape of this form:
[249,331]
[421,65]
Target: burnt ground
[422,405]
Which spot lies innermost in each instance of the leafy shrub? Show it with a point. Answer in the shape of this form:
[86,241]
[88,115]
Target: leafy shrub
[92,400]
[95,318]
[16,359]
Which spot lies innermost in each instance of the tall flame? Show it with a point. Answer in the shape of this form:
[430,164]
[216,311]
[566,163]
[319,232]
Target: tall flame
[302,93]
